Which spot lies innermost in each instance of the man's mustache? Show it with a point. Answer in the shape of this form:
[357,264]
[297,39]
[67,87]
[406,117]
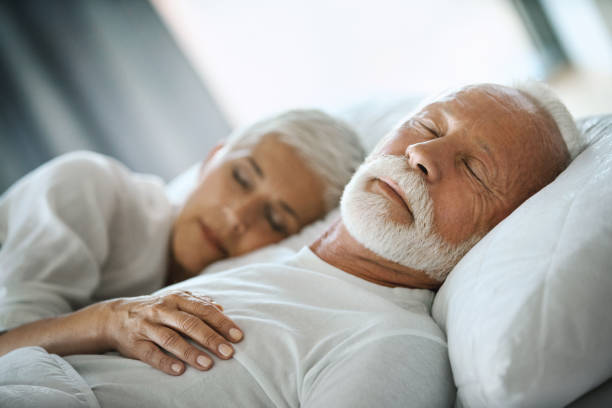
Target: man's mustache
[413,188]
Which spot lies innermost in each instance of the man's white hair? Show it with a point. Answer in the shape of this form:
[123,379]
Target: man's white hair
[330,147]
[540,93]
[545,98]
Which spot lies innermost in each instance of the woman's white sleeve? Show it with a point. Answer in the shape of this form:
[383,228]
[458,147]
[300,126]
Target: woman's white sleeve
[54,236]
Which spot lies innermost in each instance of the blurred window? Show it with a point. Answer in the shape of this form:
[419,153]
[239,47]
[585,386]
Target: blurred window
[263,56]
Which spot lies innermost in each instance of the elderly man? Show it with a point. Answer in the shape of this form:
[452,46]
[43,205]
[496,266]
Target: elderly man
[345,322]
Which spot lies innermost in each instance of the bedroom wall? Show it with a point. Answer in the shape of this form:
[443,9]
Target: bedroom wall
[98,75]
[259,57]
[264,56]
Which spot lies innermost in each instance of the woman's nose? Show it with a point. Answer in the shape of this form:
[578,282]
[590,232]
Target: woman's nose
[424,159]
[235,219]
[241,213]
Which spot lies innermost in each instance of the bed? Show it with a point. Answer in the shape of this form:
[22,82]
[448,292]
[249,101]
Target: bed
[527,312]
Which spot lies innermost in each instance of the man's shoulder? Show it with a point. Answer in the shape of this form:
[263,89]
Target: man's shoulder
[391,369]
[402,328]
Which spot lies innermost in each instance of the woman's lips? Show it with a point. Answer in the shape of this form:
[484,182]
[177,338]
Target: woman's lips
[392,190]
[212,238]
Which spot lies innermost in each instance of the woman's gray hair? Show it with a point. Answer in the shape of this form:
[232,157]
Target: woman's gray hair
[330,147]
[546,99]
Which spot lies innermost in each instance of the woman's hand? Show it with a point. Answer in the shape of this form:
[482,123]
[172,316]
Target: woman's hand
[138,327]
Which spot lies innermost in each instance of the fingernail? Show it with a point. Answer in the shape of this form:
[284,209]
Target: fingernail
[235,334]
[218,306]
[176,367]
[225,350]
[204,361]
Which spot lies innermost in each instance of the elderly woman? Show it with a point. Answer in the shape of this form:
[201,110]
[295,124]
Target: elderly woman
[83,228]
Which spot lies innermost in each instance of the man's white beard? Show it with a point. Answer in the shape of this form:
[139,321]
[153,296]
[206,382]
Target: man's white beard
[367,218]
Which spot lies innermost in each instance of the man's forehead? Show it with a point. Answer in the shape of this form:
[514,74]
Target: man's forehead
[484,106]
[478,96]
[465,96]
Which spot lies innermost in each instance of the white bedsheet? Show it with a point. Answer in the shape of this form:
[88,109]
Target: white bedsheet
[30,377]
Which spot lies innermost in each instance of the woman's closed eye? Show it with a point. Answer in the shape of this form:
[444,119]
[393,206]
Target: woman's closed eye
[241,178]
[275,220]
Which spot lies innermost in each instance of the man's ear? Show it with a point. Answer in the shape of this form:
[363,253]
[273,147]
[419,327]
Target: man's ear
[209,156]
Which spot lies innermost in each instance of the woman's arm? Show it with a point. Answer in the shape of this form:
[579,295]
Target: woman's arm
[79,229]
[137,328]
[79,332]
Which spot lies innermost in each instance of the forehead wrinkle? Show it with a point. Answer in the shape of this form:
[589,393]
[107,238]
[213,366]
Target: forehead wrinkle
[499,154]
[501,101]
[507,176]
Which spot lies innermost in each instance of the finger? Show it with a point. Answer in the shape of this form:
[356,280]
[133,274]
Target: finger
[205,299]
[212,316]
[199,331]
[149,353]
[171,341]
[177,295]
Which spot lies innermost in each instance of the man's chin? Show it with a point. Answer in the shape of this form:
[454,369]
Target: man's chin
[365,218]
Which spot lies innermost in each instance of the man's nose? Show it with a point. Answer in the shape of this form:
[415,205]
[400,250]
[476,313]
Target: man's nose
[424,159]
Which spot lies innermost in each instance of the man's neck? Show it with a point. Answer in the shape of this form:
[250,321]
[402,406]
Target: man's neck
[338,248]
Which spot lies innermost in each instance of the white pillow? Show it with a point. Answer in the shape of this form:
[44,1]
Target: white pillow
[182,185]
[375,117]
[528,311]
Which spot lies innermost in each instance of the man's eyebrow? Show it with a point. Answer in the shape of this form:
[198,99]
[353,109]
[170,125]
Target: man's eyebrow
[290,211]
[255,167]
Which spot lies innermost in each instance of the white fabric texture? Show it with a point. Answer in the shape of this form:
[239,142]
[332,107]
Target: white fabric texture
[30,377]
[79,229]
[527,311]
[318,336]
[315,336]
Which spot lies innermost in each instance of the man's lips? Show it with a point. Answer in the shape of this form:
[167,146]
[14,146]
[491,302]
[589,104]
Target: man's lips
[392,190]
[212,238]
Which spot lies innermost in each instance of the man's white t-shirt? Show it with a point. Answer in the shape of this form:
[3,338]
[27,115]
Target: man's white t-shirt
[79,229]
[315,336]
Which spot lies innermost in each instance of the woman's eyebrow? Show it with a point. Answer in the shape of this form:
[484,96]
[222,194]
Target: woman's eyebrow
[256,167]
